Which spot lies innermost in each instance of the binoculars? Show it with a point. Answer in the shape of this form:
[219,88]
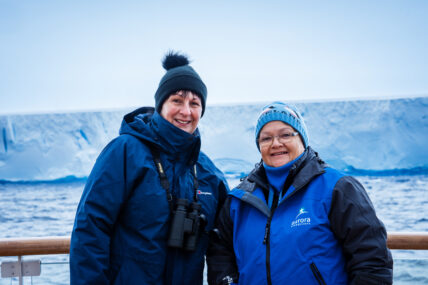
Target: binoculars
[186,225]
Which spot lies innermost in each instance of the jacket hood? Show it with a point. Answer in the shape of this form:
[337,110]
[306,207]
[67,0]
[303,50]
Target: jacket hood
[149,126]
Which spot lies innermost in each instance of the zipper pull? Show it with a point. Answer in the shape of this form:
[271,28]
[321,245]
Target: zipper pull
[266,231]
[273,207]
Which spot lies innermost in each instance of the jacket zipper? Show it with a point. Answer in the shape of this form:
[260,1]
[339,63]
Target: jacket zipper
[317,274]
[266,239]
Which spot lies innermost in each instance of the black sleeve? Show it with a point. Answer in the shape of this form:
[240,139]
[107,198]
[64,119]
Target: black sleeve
[223,189]
[362,235]
[221,261]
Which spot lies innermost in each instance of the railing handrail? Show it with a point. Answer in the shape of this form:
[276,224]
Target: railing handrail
[61,245]
[34,246]
[408,240]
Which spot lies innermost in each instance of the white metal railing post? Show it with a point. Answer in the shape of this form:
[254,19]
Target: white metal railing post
[20,269]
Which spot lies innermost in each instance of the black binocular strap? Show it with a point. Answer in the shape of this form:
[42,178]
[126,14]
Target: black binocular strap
[195,183]
[164,180]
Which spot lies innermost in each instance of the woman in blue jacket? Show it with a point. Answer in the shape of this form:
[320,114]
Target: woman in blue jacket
[152,196]
[295,220]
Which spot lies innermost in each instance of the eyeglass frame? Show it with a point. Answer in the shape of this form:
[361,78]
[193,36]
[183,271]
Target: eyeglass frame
[288,137]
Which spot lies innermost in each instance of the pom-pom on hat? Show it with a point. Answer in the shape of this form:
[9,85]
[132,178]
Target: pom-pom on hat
[278,111]
[179,76]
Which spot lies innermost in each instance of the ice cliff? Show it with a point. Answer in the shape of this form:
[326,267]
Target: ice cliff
[360,136]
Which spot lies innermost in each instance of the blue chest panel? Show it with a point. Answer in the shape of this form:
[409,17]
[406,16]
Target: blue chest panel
[300,235]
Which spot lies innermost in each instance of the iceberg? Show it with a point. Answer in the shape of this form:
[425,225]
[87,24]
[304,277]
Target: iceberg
[357,136]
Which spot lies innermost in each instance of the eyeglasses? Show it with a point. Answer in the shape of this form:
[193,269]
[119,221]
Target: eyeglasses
[282,138]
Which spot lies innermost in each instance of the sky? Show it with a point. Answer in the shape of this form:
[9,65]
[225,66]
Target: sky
[59,56]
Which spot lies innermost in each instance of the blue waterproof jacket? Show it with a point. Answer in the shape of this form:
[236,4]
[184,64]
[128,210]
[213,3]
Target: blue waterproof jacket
[323,230]
[122,221]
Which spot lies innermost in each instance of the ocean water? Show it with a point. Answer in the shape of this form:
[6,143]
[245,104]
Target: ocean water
[47,209]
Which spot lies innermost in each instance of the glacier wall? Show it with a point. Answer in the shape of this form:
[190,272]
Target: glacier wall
[360,137]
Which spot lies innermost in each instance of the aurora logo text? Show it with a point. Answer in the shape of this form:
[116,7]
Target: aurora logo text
[301,220]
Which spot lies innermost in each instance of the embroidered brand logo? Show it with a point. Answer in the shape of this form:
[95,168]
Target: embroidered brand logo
[199,192]
[300,220]
[301,212]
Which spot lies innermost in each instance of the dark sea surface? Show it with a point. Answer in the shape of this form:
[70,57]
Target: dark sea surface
[48,209]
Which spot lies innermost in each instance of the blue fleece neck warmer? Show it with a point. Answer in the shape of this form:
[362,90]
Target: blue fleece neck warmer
[276,177]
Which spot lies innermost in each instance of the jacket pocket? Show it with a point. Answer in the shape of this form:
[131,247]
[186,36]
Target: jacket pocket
[317,274]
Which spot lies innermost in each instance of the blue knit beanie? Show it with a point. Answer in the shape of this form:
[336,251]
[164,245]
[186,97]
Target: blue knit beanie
[278,111]
[179,76]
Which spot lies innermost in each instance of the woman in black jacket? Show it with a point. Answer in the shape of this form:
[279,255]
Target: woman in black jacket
[295,220]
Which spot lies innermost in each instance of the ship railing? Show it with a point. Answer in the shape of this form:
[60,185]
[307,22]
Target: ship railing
[19,247]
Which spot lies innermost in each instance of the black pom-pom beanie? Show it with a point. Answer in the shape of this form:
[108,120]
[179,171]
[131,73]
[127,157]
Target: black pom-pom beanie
[179,76]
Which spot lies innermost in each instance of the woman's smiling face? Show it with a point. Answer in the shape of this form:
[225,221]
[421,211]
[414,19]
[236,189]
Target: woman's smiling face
[277,153]
[183,109]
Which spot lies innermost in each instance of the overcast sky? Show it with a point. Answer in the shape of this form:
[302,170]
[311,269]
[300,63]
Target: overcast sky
[92,55]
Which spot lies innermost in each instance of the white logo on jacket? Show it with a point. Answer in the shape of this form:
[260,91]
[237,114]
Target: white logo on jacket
[199,192]
[302,221]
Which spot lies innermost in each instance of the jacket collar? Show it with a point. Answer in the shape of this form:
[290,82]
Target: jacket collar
[149,126]
[302,172]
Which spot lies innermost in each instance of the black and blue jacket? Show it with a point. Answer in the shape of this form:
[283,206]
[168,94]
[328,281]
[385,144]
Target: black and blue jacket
[122,221]
[323,230]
